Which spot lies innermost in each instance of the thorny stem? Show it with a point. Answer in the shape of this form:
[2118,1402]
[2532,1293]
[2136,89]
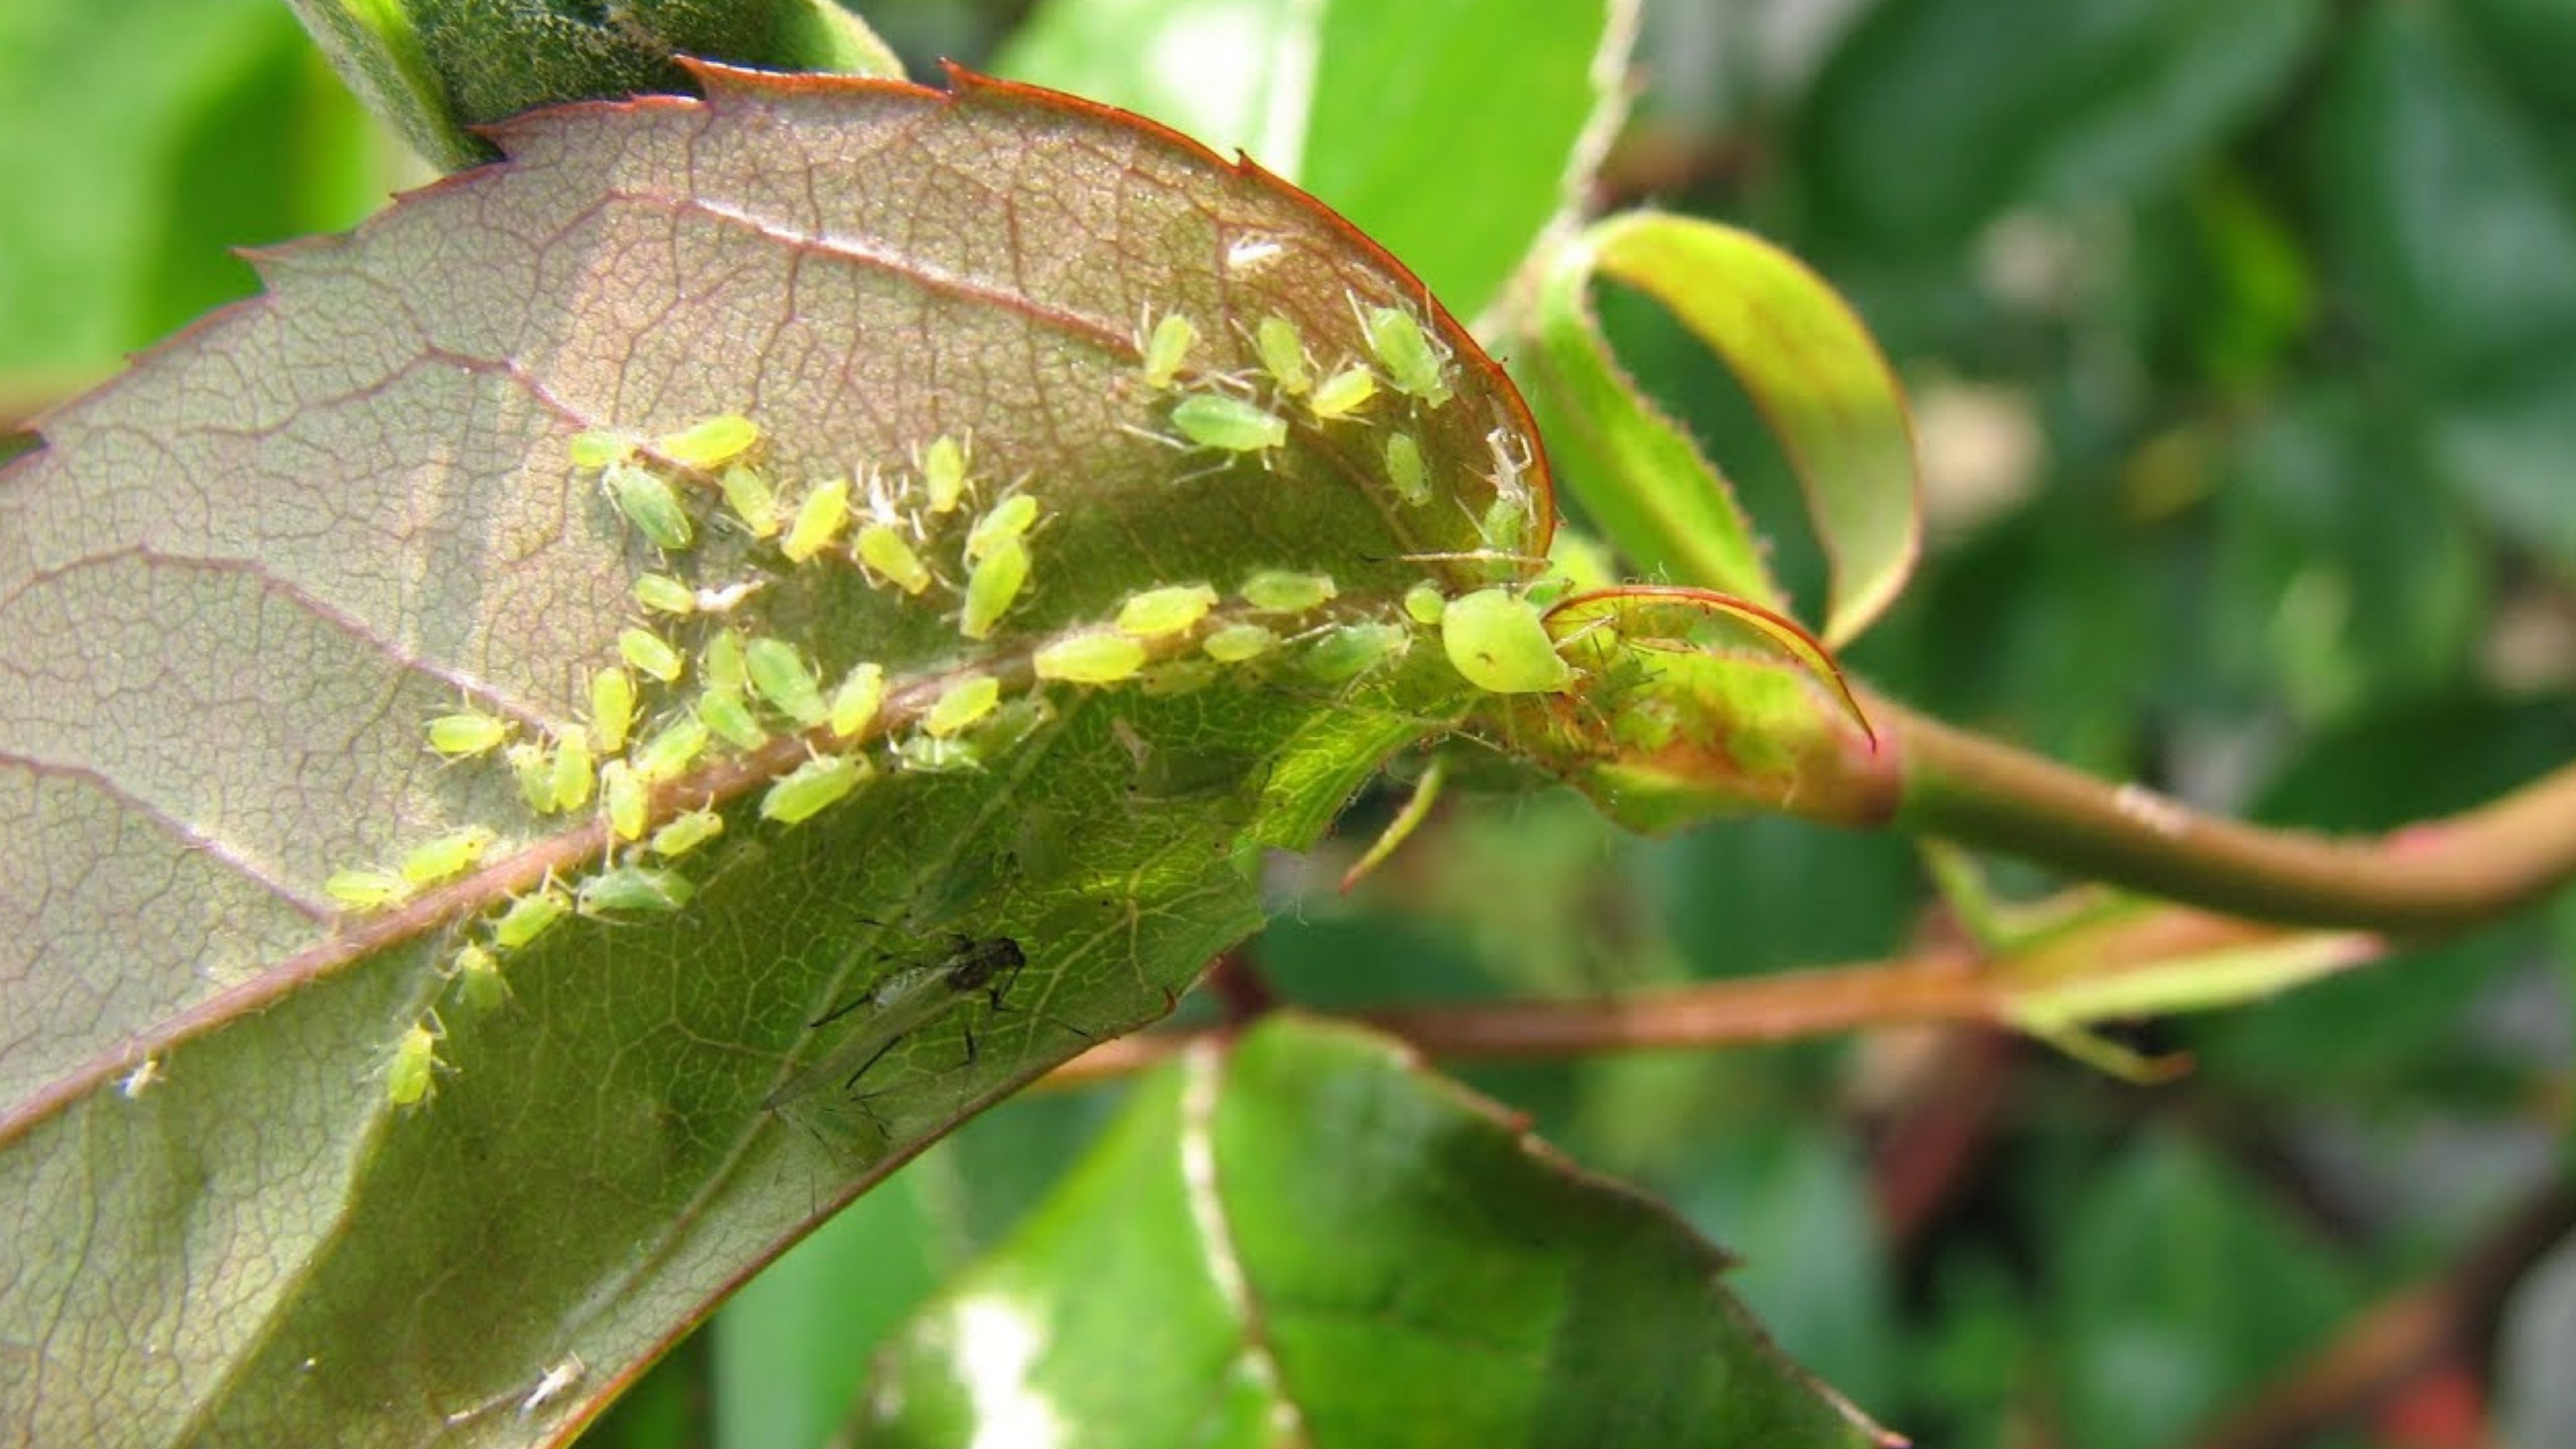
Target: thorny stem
[2437,876]
[1950,983]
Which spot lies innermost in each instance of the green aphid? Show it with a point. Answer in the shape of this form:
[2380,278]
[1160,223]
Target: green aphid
[993,587]
[447,857]
[527,917]
[663,594]
[574,768]
[855,702]
[721,662]
[1283,352]
[1342,394]
[625,798]
[1236,643]
[1279,591]
[592,451]
[1168,348]
[935,756]
[649,503]
[1004,522]
[961,705]
[753,501]
[711,444]
[781,677]
[1424,603]
[1217,420]
[812,787]
[1354,649]
[612,707]
[1160,613]
[536,771]
[466,734]
[684,833]
[943,473]
[729,715]
[1404,470]
[414,1067]
[478,978]
[633,890]
[669,753]
[1413,363]
[1091,658]
[1499,644]
[884,551]
[819,520]
[651,654]
[367,890]
[1506,525]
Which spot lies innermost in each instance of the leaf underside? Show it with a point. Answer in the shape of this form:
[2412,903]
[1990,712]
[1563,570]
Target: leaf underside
[235,584]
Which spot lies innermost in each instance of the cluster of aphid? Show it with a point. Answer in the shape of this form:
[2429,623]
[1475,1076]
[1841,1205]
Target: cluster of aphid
[630,749]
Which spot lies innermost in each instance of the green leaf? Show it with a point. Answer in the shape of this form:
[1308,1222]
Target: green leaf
[1808,363]
[2458,240]
[2003,104]
[1453,131]
[436,69]
[250,572]
[1316,1240]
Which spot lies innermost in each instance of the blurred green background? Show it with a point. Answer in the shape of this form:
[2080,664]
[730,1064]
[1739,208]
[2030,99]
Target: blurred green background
[2242,335]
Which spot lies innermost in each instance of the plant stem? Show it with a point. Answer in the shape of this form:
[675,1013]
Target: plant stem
[2429,878]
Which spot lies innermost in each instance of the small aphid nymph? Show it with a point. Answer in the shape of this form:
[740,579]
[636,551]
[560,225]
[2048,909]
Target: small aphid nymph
[855,702]
[684,833]
[447,857]
[1236,643]
[943,473]
[1160,613]
[466,734]
[366,889]
[1010,519]
[1413,362]
[146,1075]
[651,654]
[1216,420]
[574,768]
[663,594]
[649,503]
[1352,650]
[1404,470]
[720,663]
[1278,591]
[961,705]
[478,978]
[752,500]
[527,917]
[782,678]
[710,444]
[810,788]
[993,587]
[819,520]
[612,707]
[592,451]
[1283,352]
[1342,394]
[413,1070]
[626,798]
[536,771]
[634,890]
[670,751]
[1497,642]
[729,716]
[883,551]
[1168,348]
[1424,603]
[1092,658]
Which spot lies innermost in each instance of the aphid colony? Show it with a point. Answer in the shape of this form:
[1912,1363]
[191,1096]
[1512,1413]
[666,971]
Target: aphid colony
[634,750]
